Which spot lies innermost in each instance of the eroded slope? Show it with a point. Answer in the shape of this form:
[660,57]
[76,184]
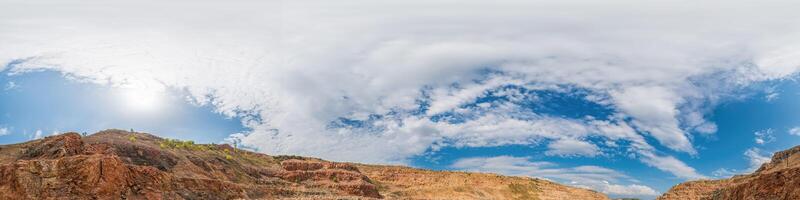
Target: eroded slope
[777,180]
[117,164]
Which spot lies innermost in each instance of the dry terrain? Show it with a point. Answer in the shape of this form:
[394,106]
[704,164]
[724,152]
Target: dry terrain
[777,180]
[117,164]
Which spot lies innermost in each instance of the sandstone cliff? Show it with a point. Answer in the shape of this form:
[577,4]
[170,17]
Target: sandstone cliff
[117,164]
[778,179]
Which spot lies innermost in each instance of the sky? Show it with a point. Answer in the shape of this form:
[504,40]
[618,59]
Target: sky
[623,97]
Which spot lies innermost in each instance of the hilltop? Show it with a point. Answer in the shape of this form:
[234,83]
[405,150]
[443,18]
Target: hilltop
[116,164]
[777,179]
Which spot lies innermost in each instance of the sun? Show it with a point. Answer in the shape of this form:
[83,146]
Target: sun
[141,100]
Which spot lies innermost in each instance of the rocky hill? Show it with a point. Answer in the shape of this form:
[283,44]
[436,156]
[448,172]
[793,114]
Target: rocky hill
[778,179]
[117,164]
[408,183]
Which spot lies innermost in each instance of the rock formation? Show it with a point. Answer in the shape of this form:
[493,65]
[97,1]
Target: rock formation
[409,183]
[778,179]
[117,164]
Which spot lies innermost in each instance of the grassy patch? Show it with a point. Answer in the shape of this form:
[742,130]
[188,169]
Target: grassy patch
[180,144]
[132,138]
[523,191]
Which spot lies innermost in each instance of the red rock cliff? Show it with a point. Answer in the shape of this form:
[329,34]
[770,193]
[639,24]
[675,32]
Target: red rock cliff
[117,164]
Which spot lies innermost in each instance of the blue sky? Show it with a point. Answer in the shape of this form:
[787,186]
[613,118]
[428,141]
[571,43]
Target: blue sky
[623,97]
[50,103]
[768,106]
[47,102]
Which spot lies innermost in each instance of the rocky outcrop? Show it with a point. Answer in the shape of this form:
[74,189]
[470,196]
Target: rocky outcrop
[778,179]
[340,176]
[694,190]
[118,164]
[123,165]
[397,182]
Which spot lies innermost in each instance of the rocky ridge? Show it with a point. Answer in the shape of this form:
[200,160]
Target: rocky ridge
[777,179]
[117,164]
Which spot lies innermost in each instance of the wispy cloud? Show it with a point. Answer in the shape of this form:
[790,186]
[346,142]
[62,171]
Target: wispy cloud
[764,136]
[291,70]
[10,86]
[794,131]
[4,131]
[771,94]
[569,147]
[672,165]
[725,172]
[37,134]
[755,157]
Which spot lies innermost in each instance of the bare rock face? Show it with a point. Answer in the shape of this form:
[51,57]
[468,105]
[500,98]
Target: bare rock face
[779,179]
[118,164]
[339,176]
[694,190]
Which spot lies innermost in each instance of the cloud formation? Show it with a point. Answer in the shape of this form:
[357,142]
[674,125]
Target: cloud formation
[755,157]
[37,135]
[382,82]
[794,131]
[11,85]
[764,136]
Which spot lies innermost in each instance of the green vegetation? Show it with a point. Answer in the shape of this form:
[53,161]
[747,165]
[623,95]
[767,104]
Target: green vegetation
[179,144]
[190,145]
[132,138]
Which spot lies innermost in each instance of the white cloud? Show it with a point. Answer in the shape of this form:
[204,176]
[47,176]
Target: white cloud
[654,110]
[670,164]
[11,85]
[757,157]
[697,122]
[632,190]
[291,67]
[37,135]
[794,131]
[569,147]
[587,176]
[771,94]
[4,131]
[764,136]
[445,99]
[725,172]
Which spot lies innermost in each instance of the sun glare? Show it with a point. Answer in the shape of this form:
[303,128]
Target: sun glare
[141,100]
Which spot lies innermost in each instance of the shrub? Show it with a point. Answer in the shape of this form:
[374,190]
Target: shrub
[179,144]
